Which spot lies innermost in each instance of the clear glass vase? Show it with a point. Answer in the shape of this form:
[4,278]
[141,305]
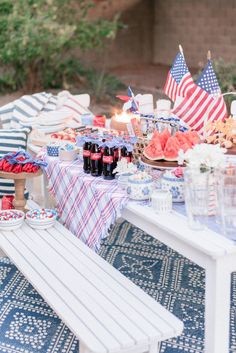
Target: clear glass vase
[226,191]
[196,189]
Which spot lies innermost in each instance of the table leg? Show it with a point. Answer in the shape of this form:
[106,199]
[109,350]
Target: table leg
[217,307]
[19,201]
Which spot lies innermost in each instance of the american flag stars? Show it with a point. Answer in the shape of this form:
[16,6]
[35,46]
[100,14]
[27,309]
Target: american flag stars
[179,80]
[208,80]
[179,68]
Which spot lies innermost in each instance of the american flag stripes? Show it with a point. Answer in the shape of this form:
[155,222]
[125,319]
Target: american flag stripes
[204,102]
[179,80]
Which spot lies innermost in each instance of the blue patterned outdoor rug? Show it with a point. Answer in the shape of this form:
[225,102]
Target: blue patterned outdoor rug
[28,325]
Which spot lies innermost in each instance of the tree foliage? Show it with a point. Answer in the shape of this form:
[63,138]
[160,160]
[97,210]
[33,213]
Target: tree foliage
[36,36]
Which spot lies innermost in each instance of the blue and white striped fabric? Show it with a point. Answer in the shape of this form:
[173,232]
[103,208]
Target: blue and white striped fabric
[28,107]
[11,141]
[51,104]
[6,113]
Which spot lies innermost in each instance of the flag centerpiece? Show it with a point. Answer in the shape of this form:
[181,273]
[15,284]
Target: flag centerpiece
[202,102]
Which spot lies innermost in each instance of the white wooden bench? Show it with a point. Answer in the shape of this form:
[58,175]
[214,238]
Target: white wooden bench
[104,309]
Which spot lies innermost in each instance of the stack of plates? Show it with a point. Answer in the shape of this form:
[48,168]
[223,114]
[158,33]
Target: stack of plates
[43,218]
[11,219]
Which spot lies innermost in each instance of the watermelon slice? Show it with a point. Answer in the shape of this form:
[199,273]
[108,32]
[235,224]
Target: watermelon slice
[172,149]
[193,137]
[154,151]
[155,136]
[183,140]
[164,136]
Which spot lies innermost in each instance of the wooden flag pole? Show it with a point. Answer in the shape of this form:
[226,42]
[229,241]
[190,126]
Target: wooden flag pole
[181,49]
[209,55]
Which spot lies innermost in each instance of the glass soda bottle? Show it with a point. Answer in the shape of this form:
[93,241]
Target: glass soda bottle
[95,160]
[124,153]
[109,163]
[116,154]
[86,156]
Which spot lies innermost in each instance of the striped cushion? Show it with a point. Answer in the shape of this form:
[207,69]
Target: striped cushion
[10,141]
[27,109]
[6,114]
[73,105]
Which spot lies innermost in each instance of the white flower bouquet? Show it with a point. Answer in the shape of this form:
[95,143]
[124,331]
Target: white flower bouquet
[125,167]
[203,157]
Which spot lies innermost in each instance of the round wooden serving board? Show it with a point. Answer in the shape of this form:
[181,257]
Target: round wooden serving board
[231,151]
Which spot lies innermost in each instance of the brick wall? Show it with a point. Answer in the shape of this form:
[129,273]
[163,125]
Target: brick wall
[198,25]
[133,45]
[156,27]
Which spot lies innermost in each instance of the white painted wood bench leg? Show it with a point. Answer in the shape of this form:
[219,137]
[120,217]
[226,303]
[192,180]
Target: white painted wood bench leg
[217,303]
[2,253]
[83,348]
[155,347]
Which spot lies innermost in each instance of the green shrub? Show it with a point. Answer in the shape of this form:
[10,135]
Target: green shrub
[226,74]
[102,85]
[36,36]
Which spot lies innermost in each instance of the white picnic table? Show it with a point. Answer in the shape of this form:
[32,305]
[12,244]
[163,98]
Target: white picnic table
[210,250]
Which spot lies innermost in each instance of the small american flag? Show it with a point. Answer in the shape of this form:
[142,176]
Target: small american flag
[205,104]
[130,101]
[179,80]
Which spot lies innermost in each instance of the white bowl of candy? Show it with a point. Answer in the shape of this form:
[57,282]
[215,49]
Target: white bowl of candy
[43,218]
[68,152]
[11,219]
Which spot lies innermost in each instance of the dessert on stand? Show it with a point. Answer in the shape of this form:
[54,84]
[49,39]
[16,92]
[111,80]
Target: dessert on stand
[20,166]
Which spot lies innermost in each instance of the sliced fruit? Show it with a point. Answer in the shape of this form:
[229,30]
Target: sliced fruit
[172,149]
[156,135]
[193,137]
[185,144]
[164,136]
[154,151]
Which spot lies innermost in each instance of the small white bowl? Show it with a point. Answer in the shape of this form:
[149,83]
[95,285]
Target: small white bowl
[68,156]
[12,224]
[43,223]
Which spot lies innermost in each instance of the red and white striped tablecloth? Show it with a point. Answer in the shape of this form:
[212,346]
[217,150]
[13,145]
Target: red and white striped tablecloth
[87,205]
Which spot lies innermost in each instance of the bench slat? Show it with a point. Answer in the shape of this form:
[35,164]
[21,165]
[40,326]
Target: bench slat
[65,282]
[150,324]
[104,309]
[86,298]
[59,289]
[111,302]
[138,296]
[45,288]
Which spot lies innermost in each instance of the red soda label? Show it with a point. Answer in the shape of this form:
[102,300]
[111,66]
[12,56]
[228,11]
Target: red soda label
[108,159]
[116,153]
[127,158]
[95,156]
[86,153]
